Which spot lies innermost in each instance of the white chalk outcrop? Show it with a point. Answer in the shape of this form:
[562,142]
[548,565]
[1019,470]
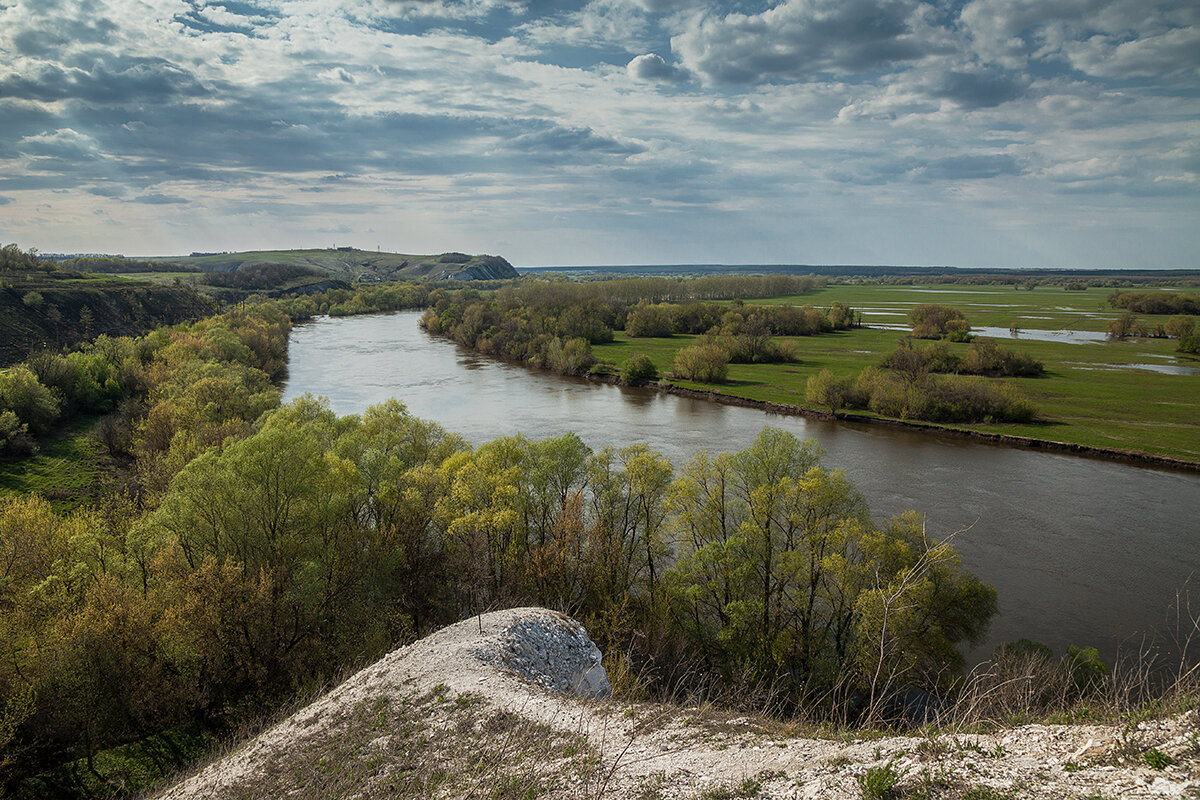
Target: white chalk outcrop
[540,668]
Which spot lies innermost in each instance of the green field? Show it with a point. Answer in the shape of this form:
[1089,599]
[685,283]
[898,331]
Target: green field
[1091,394]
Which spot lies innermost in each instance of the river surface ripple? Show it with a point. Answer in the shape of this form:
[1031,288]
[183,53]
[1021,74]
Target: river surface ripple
[1081,550]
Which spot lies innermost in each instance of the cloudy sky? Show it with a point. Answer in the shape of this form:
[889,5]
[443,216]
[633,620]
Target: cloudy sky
[1002,133]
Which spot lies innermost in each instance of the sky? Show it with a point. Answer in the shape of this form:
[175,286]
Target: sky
[985,133]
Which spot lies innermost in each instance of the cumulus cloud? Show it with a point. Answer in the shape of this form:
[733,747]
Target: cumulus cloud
[798,39]
[64,143]
[281,116]
[652,67]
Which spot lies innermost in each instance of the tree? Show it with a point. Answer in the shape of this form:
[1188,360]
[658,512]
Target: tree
[34,404]
[703,363]
[933,321]
[823,389]
[783,577]
[638,369]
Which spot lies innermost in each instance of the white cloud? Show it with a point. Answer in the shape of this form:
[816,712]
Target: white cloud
[652,67]
[563,127]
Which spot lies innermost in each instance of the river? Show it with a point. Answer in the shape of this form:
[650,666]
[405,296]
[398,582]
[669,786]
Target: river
[1081,550]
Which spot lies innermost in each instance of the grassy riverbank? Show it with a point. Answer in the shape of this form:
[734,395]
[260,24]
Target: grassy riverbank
[1092,394]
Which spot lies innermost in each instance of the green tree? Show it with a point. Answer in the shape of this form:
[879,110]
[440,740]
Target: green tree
[34,404]
[638,369]
[703,363]
[934,321]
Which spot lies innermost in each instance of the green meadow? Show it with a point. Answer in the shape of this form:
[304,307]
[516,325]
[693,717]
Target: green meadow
[1099,394]
[67,470]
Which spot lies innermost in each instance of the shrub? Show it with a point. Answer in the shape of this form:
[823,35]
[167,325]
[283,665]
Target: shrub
[573,357]
[34,404]
[33,299]
[825,390]
[985,357]
[879,783]
[15,441]
[933,321]
[639,369]
[941,399]
[705,363]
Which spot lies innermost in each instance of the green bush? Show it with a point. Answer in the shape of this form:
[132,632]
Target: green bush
[704,363]
[639,369]
[15,441]
[34,404]
[941,399]
[933,321]
[573,357]
[985,357]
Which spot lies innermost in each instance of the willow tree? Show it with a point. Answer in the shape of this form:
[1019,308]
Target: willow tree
[783,577]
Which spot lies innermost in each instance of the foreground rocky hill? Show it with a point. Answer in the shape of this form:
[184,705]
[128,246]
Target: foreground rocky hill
[514,704]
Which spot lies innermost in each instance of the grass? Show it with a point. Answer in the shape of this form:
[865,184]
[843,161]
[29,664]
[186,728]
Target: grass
[1089,396]
[67,470]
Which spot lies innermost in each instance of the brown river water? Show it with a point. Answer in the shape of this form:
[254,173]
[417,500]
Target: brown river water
[1082,551]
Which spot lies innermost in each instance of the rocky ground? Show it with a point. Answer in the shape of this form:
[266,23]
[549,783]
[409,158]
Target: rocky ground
[513,704]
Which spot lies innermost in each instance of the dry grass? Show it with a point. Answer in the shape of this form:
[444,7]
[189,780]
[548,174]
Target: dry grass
[429,746]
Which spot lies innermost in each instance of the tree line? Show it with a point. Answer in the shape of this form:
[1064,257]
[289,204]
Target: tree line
[306,542]
[554,325]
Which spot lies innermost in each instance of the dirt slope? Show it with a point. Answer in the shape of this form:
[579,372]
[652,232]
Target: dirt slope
[490,708]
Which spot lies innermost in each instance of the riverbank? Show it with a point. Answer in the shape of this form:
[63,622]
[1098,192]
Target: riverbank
[1126,456]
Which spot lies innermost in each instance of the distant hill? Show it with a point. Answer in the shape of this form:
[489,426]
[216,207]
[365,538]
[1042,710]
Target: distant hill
[353,265]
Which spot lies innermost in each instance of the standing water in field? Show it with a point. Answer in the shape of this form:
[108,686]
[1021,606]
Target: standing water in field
[1081,551]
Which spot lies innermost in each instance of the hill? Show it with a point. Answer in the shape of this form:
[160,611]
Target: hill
[354,265]
[485,708]
[56,309]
